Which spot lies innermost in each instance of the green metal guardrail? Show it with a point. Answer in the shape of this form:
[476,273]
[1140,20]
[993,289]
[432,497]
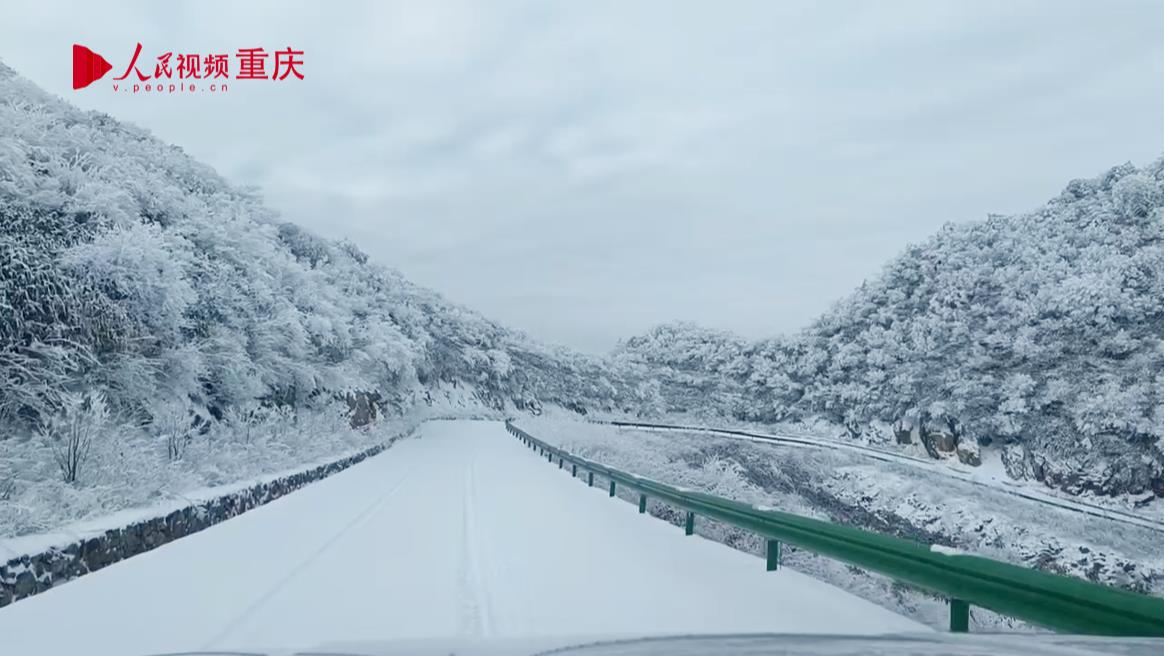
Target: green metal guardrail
[1056,602]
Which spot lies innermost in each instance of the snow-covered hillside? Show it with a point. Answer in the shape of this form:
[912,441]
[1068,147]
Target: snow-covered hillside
[1040,336]
[160,329]
[134,268]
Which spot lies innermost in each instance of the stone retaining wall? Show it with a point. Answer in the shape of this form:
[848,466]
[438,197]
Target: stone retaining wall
[29,574]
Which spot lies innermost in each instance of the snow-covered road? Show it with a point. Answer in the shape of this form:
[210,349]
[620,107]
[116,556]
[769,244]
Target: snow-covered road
[460,532]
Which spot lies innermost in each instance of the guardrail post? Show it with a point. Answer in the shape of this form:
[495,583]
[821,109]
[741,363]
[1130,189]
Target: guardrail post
[561,462]
[773,555]
[549,457]
[689,526]
[590,479]
[612,487]
[574,470]
[642,503]
[959,616]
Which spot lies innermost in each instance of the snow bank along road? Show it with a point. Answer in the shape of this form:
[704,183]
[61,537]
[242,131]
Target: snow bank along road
[459,532]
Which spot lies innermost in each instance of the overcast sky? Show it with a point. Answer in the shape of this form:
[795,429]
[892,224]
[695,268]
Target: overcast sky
[585,170]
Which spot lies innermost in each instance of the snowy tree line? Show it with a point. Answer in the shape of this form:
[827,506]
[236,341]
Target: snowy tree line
[1039,334]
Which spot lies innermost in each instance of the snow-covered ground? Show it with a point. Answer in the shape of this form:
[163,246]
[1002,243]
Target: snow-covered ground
[879,495]
[129,476]
[990,474]
[459,532]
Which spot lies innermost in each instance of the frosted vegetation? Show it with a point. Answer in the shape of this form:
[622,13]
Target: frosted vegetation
[162,330]
[127,267]
[894,499]
[129,467]
[1038,335]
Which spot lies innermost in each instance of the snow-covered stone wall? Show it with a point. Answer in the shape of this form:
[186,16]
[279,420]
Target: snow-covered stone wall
[29,574]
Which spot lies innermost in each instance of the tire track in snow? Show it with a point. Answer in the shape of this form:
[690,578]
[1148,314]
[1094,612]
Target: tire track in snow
[476,608]
[359,519]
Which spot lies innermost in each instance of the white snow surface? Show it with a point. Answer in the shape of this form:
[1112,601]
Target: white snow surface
[460,532]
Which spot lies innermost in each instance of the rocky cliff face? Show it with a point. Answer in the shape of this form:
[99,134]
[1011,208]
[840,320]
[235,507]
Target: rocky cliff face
[1102,465]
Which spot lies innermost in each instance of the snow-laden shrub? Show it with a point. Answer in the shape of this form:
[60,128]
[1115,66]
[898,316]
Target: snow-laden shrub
[70,433]
[172,425]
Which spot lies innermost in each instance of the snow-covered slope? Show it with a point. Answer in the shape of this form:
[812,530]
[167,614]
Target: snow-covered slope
[129,267]
[461,532]
[1040,336]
